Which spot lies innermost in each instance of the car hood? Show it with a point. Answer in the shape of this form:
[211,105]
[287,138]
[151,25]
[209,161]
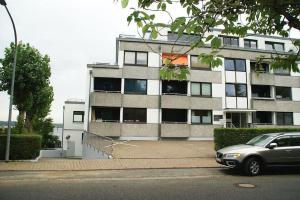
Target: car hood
[239,148]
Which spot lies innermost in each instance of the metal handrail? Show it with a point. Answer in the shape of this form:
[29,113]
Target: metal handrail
[98,142]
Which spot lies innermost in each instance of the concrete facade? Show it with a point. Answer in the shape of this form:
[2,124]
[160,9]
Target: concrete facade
[73,127]
[203,112]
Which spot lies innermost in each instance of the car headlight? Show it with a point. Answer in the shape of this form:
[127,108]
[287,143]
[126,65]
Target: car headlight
[232,155]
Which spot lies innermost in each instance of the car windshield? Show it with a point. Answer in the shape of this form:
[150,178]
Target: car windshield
[261,140]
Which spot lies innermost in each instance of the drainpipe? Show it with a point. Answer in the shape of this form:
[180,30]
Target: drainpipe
[62,133]
[159,98]
[89,103]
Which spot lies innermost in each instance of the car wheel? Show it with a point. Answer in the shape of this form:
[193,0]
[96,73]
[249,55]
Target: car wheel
[253,167]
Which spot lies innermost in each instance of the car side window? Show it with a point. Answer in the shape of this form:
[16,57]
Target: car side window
[295,141]
[282,141]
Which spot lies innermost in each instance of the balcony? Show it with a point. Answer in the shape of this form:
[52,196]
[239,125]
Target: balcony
[175,130]
[140,101]
[110,129]
[272,79]
[276,105]
[175,101]
[105,99]
[139,130]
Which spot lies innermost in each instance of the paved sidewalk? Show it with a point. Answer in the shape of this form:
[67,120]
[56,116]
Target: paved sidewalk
[80,165]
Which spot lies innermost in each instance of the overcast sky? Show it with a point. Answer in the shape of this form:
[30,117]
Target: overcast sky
[73,33]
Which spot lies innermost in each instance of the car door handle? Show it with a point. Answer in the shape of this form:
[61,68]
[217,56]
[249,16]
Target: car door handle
[289,150]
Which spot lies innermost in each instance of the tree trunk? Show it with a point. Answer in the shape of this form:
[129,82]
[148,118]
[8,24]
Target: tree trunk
[28,124]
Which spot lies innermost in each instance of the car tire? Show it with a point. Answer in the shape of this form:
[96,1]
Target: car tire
[253,167]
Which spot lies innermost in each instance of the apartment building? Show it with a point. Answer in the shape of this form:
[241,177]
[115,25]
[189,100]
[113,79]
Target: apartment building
[129,100]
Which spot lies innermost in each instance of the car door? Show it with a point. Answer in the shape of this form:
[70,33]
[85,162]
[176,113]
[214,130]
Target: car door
[295,145]
[280,154]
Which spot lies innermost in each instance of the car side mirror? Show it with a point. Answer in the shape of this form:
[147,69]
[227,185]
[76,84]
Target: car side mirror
[273,145]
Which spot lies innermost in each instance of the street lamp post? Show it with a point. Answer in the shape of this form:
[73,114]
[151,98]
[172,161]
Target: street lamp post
[3,3]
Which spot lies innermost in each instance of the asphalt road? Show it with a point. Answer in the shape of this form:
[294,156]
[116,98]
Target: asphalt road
[167,184]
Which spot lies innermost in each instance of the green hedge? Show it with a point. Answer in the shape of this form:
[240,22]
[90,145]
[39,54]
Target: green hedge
[224,137]
[22,146]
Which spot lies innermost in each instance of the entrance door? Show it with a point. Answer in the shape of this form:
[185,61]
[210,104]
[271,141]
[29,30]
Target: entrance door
[237,120]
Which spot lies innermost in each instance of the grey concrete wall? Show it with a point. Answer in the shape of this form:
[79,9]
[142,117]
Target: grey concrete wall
[174,101]
[105,99]
[175,130]
[206,76]
[107,72]
[140,72]
[187,102]
[52,153]
[139,130]
[206,131]
[105,129]
[140,101]
[271,79]
[277,106]
[206,103]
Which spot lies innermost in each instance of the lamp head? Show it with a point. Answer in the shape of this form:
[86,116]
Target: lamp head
[2,2]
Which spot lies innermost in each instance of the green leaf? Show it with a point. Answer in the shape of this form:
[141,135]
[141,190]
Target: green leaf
[215,43]
[209,37]
[124,3]
[163,7]
[145,29]
[154,33]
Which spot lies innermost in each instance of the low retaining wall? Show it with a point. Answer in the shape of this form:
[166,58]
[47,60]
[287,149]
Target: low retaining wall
[52,153]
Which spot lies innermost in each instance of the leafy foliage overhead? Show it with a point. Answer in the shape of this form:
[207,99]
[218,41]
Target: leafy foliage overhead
[262,17]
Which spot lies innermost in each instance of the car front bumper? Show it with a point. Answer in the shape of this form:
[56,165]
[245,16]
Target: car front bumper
[228,162]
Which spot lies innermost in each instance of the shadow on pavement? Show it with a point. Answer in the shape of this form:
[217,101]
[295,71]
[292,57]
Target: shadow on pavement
[286,170]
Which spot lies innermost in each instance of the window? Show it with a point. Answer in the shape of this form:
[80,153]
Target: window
[174,115]
[274,46]
[78,116]
[174,87]
[230,41]
[284,118]
[107,114]
[135,115]
[184,37]
[281,71]
[282,141]
[218,117]
[295,141]
[136,58]
[107,84]
[135,86]
[284,93]
[196,64]
[261,117]
[235,64]
[250,44]
[176,59]
[236,90]
[261,68]
[201,89]
[261,91]
[201,117]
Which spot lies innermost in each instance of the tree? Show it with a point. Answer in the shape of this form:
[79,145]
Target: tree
[262,17]
[33,94]
[44,127]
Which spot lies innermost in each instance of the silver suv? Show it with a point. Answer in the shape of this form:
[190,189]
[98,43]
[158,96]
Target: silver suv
[264,150]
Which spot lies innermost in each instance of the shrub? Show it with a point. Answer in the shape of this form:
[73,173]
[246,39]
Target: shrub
[224,137]
[22,146]
[50,141]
